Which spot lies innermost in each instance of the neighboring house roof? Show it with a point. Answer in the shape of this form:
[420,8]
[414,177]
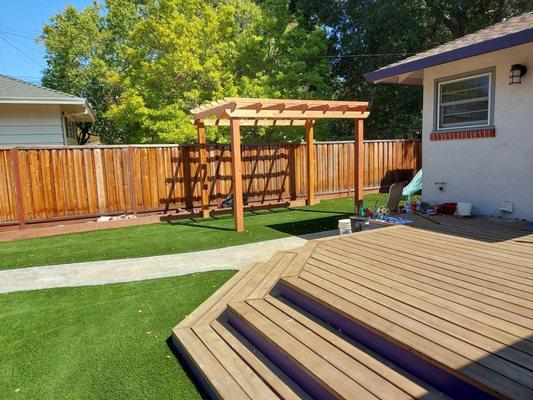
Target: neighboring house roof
[16,91]
[512,32]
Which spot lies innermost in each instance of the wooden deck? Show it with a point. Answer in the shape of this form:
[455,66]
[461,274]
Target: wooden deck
[421,311]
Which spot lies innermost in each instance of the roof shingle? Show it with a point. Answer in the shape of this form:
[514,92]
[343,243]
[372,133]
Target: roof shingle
[508,33]
[13,88]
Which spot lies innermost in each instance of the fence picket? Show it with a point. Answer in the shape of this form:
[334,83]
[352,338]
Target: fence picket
[56,183]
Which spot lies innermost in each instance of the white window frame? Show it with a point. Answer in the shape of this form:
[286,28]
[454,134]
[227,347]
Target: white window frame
[462,77]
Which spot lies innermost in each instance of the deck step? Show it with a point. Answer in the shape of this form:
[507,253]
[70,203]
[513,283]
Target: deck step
[228,366]
[385,331]
[326,363]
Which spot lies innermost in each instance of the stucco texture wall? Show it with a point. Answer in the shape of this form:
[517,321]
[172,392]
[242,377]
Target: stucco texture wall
[485,171]
[30,124]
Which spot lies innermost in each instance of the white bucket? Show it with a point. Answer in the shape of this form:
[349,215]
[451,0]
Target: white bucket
[345,226]
[464,209]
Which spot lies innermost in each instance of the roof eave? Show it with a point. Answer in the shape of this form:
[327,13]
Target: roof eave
[475,49]
[51,101]
[41,100]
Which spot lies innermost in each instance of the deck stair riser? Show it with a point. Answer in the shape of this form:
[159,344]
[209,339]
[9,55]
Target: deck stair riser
[442,380]
[392,314]
[286,363]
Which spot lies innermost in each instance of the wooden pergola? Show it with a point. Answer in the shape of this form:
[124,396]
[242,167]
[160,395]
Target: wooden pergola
[237,112]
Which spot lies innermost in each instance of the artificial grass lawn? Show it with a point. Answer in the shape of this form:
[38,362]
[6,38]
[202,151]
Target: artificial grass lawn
[178,236]
[99,342]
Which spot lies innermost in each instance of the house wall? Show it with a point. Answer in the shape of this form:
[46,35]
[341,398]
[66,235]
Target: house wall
[485,171]
[30,124]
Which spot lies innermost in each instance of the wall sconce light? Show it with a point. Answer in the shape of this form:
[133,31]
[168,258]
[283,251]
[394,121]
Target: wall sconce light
[516,74]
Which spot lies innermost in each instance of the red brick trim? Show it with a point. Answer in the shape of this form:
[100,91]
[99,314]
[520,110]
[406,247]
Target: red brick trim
[463,134]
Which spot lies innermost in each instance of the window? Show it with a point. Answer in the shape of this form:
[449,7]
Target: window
[72,129]
[464,102]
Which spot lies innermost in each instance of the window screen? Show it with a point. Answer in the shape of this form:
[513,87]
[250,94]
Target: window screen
[464,102]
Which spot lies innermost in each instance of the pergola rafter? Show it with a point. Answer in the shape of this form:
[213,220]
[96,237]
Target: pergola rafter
[236,112]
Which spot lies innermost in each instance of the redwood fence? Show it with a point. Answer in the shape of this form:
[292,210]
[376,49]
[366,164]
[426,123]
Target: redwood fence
[55,184]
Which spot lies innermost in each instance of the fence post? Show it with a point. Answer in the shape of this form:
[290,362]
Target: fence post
[187,178]
[131,170]
[202,165]
[18,188]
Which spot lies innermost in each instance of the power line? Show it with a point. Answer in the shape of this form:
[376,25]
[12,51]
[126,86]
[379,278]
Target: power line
[17,35]
[20,30]
[22,44]
[21,52]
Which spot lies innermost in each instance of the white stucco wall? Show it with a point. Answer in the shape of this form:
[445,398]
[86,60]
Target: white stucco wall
[486,171]
[30,124]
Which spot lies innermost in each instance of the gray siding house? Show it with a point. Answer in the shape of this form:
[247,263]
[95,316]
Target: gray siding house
[35,115]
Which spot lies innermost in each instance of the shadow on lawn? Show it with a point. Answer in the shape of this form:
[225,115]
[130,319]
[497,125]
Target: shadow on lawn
[307,226]
[297,227]
[190,373]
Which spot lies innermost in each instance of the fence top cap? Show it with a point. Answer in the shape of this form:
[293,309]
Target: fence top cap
[282,112]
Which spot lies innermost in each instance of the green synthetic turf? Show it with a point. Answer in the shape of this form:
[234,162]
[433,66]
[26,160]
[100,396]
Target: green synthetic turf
[99,342]
[179,236]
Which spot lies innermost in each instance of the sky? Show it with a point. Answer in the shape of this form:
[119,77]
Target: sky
[21,23]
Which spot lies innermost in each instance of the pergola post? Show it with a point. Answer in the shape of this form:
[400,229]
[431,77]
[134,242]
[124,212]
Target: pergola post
[310,149]
[202,154]
[359,164]
[236,112]
[236,174]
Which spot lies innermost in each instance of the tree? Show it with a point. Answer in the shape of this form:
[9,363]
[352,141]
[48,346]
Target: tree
[366,35]
[144,64]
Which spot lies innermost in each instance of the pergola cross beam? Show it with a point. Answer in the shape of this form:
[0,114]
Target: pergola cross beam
[236,112]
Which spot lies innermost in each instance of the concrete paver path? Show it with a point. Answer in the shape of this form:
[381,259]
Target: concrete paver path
[135,269]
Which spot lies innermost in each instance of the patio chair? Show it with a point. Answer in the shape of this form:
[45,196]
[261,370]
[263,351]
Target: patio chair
[395,195]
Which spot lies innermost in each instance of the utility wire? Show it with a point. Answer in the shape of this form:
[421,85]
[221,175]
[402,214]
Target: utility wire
[20,30]
[17,35]
[21,52]
[20,43]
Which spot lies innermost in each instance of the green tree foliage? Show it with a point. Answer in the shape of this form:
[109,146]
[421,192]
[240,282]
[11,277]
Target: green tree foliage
[145,64]
[368,34]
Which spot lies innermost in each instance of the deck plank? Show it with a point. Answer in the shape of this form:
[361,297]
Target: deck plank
[426,313]
[394,375]
[484,251]
[246,378]
[277,380]
[447,267]
[193,317]
[275,271]
[241,289]
[479,321]
[493,303]
[491,265]
[331,378]
[429,268]
[214,374]
[412,319]
[360,373]
[385,324]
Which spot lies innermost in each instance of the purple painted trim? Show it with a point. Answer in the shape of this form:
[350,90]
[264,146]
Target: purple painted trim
[475,49]
[286,364]
[422,369]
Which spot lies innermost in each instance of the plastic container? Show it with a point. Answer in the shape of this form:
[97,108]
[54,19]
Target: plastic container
[447,208]
[464,209]
[358,223]
[345,227]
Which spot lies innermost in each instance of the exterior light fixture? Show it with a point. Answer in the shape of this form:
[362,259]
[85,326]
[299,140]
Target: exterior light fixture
[516,74]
